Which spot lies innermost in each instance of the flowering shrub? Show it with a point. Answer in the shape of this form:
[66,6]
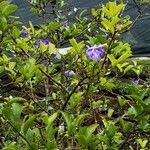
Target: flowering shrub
[75,97]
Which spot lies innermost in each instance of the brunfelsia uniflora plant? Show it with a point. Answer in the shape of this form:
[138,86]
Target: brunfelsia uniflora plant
[67,86]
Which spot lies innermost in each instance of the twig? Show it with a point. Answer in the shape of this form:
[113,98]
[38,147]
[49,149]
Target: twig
[88,27]
[69,96]
[34,100]
[139,8]
[109,48]
[66,102]
[22,136]
[54,81]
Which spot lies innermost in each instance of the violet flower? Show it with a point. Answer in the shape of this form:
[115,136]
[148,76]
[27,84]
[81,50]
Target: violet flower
[45,62]
[45,41]
[69,73]
[136,82]
[24,33]
[65,23]
[95,53]
[68,89]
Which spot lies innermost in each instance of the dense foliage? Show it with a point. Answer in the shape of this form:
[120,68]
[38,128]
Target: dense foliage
[71,85]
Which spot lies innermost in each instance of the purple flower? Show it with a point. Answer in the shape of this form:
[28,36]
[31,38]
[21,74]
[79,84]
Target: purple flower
[45,62]
[136,82]
[106,63]
[45,41]
[95,53]
[69,73]
[68,89]
[24,33]
[65,23]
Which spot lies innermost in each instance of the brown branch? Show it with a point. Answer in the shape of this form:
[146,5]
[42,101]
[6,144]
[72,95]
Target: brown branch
[34,100]
[109,48]
[69,96]
[53,80]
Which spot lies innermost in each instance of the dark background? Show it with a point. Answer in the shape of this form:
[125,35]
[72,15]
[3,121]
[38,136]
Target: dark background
[138,36]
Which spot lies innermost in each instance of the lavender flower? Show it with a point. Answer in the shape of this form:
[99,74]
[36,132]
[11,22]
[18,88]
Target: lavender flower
[45,41]
[68,89]
[69,73]
[95,53]
[65,23]
[106,63]
[45,62]
[136,82]
[24,33]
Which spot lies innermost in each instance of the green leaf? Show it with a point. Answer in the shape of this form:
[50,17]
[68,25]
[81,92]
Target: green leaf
[50,131]
[112,60]
[132,112]
[51,145]
[91,129]
[85,135]
[32,136]
[137,71]
[144,125]
[3,4]
[53,26]
[79,119]
[121,101]
[128,68]
[28,69]
[7,112]
[34,10]
[15,32]
[144,93]
[110,112]
[127,126]
[28,124]
[73,123]
[9,10]
[120,67]
[67,119]
[131,148]
[11,65]
[2,68]
[11,147]
[22,45]
[52,118]
[75,100]
[106,11]
[16,109]
[32,27]
[97,104]
[111,130]
[94,12]
[113,9]
[77,46]
[108,25]
[5,58]
[124,57]
[147,102]
[3,23]
[43,47]
[51,48]
[142,142]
